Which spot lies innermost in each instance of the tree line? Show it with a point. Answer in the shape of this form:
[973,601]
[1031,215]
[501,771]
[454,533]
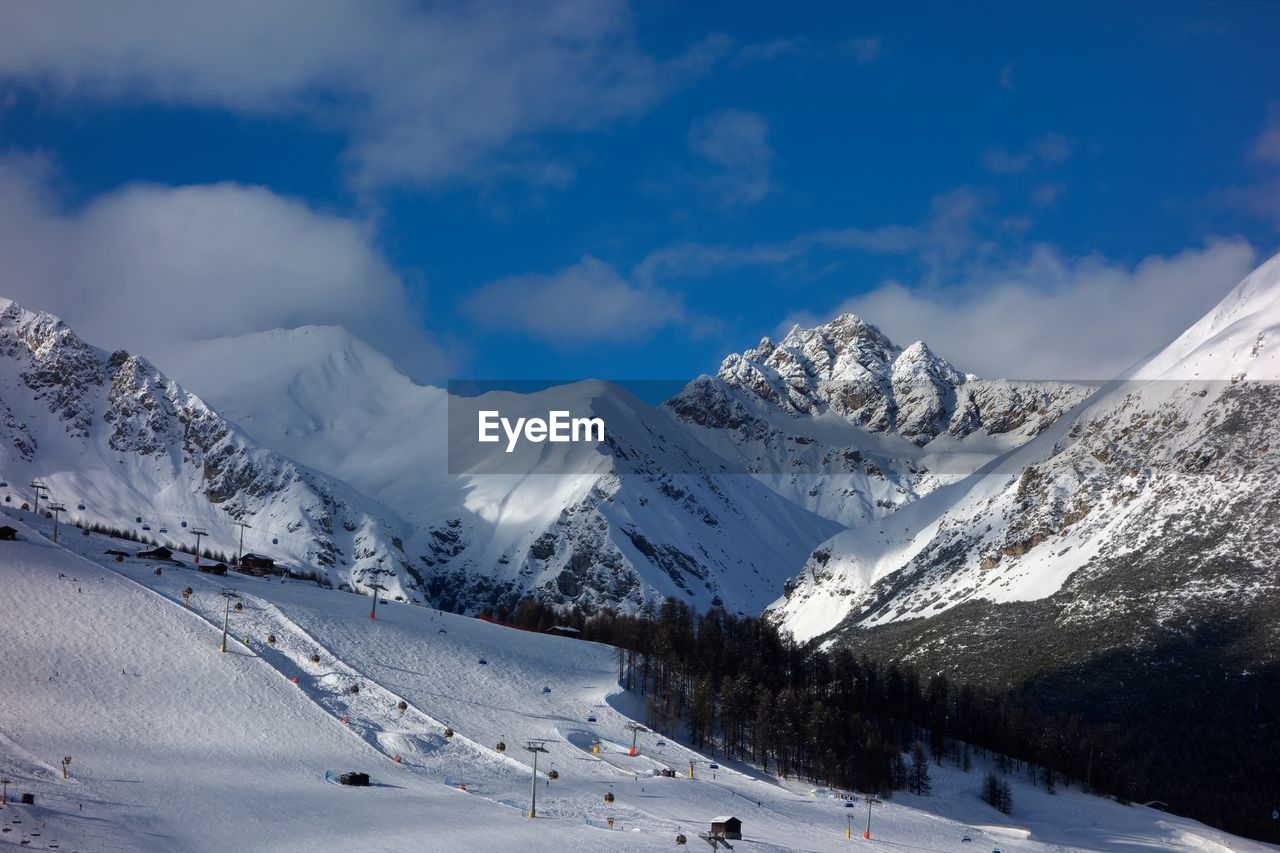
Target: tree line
[738,686]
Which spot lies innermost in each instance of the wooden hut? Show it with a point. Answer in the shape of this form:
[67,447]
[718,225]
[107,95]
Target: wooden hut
[727,827]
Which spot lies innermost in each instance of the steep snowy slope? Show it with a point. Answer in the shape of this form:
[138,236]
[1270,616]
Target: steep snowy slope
[321,396]
[840,420]
[648,513]
[121,444]
[1160,488]
[175,747]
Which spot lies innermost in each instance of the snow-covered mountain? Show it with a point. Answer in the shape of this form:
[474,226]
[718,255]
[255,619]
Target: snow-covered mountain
[841,420]
[649,513]
[123,445]
[1150,508]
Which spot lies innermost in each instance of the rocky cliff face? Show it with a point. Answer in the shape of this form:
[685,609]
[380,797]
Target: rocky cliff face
[843,421]
[113,433]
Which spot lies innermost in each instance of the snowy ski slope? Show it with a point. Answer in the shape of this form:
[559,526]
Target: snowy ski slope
[176,747]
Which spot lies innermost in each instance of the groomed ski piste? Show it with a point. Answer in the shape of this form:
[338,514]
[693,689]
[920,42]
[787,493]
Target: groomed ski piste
[176,747]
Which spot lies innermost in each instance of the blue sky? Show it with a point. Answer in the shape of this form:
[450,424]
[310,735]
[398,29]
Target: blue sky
[596,189]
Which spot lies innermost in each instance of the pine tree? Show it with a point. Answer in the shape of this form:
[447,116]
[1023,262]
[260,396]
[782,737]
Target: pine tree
[995,793]
[897,772]
[991,790]
[918,776]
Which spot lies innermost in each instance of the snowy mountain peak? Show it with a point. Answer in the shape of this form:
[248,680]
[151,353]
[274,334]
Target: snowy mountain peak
[848,368]
[136,448]
[1150,503]
[1238,339]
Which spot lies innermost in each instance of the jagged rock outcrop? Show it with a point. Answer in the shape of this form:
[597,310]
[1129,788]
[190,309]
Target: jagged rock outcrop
[843,421]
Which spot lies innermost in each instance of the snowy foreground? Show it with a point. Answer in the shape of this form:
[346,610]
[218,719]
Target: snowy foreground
[176,747]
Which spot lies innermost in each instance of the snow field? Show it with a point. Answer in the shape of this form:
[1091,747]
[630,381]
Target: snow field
[179,748]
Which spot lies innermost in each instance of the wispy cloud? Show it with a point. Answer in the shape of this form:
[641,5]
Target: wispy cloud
[587,302]
[736,142]
[1266,145]
[1261,198]
[773,49]
[1047,195]
[1002,162]
[1049,150]
[1005,78]
[865,49]
[426,94]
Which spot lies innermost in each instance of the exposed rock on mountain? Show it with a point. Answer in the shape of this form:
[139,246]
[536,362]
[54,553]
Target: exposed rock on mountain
[1151,506]
[113,433]
[844,422]
[648,513]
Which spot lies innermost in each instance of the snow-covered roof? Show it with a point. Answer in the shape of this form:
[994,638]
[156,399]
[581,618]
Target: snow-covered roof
[725,819]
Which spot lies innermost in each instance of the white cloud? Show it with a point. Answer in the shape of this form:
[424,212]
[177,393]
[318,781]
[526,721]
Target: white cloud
[425,94]
[1049,316]
[589,301]
[146,268]
[737,142]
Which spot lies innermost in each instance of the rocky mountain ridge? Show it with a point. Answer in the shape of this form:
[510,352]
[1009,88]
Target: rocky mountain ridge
[111,433]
